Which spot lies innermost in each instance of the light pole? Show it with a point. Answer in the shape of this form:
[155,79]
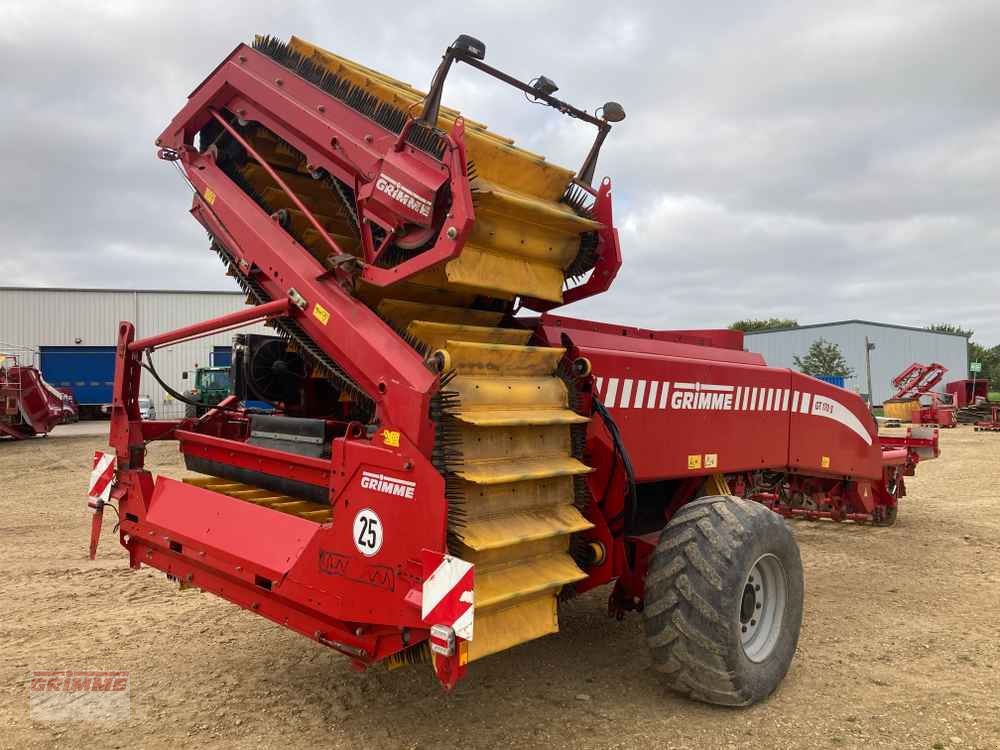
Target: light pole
[869,345]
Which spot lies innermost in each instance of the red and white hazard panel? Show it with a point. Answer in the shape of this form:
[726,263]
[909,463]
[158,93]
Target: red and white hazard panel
[448,593]
[102,477]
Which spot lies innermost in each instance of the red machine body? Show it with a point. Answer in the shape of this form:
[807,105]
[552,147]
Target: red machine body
[690,406]
[28,405]
[918,382]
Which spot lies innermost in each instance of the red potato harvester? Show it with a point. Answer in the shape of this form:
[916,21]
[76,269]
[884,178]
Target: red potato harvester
[438,473]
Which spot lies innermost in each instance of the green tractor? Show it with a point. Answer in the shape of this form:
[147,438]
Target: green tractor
[211,385]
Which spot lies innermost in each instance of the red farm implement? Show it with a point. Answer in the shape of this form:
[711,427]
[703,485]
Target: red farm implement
[438,473]
[28,405]
[915,390]
[992,424]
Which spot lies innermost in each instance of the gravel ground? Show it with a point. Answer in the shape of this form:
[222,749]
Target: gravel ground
[900,644]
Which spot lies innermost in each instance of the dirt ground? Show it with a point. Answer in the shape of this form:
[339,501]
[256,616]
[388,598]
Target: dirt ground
[900,645]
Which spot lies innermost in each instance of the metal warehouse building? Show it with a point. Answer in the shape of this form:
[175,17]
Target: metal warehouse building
[896,347]
[71,333]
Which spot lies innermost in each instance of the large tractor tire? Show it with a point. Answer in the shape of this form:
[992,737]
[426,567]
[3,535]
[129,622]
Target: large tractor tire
[724,601]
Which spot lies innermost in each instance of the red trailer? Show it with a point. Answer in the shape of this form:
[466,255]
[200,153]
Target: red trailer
[968,392]
[440,472]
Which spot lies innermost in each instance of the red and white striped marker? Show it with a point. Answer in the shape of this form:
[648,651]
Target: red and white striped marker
[102,477]
[448,593]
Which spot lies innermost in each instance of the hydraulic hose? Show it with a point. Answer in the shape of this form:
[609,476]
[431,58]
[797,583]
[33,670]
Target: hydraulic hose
[631,495]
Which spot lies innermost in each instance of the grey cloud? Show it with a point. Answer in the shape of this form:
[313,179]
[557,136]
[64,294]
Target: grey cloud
[799,159]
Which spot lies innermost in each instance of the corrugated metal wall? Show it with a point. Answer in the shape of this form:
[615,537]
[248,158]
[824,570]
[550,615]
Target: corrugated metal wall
[58,317]
[895,349]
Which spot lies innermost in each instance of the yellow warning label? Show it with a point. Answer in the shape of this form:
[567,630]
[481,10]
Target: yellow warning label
[321,314]
[825,462]
[694,462]
[463,653]
[391,438]
[711,460]
[209,196]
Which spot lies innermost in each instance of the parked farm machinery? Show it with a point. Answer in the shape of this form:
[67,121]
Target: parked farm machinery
[992,423]
[441,472]
[916,400]
[28,405]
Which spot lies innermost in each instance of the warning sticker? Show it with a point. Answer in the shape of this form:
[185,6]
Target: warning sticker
[321,314]
[711,460]
[209,196]
[825,462]
[390,438]
[694,462]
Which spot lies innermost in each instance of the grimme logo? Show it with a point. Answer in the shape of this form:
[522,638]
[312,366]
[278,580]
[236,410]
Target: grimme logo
[387,485]
[403,195]
[79,695]
[701,396]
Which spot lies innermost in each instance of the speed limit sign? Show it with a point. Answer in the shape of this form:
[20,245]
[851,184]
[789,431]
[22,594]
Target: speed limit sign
[367,532]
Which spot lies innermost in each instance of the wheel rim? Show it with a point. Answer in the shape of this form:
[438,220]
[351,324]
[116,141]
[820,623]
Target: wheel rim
[761,608]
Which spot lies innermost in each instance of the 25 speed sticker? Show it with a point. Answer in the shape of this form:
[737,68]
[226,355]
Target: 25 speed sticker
[367,532]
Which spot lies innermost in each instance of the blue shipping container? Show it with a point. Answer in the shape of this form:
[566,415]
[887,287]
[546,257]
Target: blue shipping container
[837,380]
[88,370]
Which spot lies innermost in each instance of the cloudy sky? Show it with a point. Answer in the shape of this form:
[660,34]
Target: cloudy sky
[814,160]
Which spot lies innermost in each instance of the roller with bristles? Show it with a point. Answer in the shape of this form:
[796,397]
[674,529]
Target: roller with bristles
[446,455]
[291,331]
[579,200]
[418,654]
[389,117]
[412,341]
[585,259]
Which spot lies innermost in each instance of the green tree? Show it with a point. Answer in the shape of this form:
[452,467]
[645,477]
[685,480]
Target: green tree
[823,358]
[951,328]
[763,325]
[989,357]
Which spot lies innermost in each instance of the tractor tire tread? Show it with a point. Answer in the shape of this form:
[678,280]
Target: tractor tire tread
[690,588]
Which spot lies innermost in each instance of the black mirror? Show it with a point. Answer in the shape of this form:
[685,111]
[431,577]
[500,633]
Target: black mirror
[470,46]
[544,85]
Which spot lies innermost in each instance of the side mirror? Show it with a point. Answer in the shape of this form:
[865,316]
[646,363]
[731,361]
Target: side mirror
[184,375]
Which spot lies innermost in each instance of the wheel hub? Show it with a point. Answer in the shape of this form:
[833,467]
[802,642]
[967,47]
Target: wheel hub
[762,607]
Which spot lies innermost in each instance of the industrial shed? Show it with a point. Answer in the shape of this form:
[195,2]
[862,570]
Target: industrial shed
[70,334]
[896,347]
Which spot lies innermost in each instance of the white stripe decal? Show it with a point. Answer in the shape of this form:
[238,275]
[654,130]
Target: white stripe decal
[640,394]
[768,399]
[753,399]
[784,400]
[664,392]
[806,398]
[651,401]
[827,407]
[746,398]
[609,397]
[736,398]
[598,385]
[795,400]
[626,394]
